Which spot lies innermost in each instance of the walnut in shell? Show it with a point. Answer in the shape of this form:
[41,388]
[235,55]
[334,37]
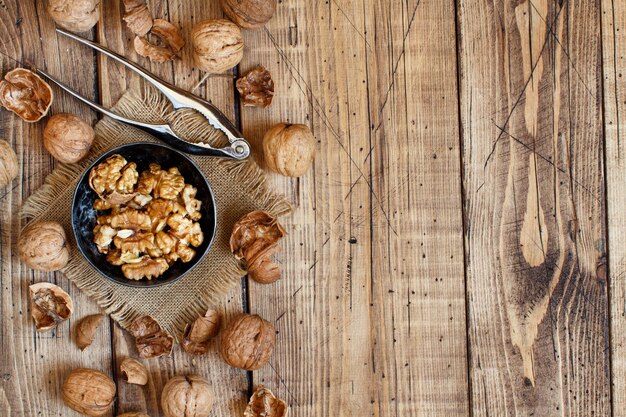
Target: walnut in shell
[8,163]
[89,392]
[256,87]
[200,332]
[50,305]
[43,246]
[249,14]
[150,339]
[217,45]
[75,15]
[254,240]
[67,137]
[248,342]
[263,403]
[289,149]
[25,94]
[86,330]
[134,372]
[187,396]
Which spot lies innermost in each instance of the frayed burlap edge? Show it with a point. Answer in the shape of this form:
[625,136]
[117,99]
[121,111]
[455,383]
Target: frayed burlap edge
[247,174]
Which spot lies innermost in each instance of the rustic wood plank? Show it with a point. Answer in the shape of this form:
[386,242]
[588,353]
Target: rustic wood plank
[230,385]
[33,365]
[614,64]
[370,311]
[534,207]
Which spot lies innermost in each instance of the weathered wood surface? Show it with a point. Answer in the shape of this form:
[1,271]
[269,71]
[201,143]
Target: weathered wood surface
[440,188]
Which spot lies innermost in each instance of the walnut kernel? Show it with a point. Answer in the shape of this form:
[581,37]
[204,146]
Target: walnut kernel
[289,149]
[67,137]
[217,45]
[248,342]
[263,403]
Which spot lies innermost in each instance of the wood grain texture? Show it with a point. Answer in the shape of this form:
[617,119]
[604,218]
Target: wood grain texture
[534,207]
[370,312]
[614,64]
[33,366]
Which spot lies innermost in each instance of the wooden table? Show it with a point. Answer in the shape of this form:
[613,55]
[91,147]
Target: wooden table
[459,247]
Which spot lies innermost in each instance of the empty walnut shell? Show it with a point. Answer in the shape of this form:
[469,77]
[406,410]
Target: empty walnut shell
[67,137]
[263,403]
[198,335]
[256,87]
[86,330]
[248,342]
[89,392]
[289,149]
[25,94]
[217,45]
[168,34]
[50,305]
[43,246]
[137,17]
[75,15]
[8,163]
[133,414]
[249,14]
[150,339]
[187,396]
[134,372]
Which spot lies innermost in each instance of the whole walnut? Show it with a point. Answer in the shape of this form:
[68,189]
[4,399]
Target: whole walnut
[289,149]
[89,392]
[8,163]
[248,342]
[217,45]
[187,396]
[75,15]
[249,14]
[67,137]
[43,246]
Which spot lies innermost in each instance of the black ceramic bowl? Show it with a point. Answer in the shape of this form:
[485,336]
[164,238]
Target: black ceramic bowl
[84,215]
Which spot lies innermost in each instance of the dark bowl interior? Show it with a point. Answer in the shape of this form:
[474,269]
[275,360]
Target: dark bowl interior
[84,215]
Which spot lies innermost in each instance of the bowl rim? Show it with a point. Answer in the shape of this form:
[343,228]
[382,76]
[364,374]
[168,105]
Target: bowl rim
[155,282]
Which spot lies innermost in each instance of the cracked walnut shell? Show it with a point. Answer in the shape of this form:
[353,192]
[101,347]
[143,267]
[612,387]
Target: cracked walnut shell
[133,414]
[25,94]
[187,396]
[289,149]
[249,14]
[217,45]
[89,392]
[67,137]
[50,305]
[137,17]
[8,163]
[86,330]
[134,372]
[200,332]
[263,403]
[248,342]
[43,246]
[256,87]
[150,339]
[169,36]
[75,15]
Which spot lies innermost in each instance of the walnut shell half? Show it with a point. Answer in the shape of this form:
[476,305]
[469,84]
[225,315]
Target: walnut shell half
[289,149]
[263,403]
[249,14]
[134,372]
[50,305]
[137,17]
[187,396]
[256,87]
[217,45]
[248,342]
[25,94]
[168,34]
[86,330]
[8,163]
[200,332]
[67,137]
[43,246]
[89,392]
[75,15]
[150,339]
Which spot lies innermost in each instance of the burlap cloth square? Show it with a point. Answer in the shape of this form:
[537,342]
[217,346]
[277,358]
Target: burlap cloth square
[239,188]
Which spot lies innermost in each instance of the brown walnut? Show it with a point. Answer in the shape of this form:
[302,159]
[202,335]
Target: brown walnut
[137,17]
[200,332]
[25,94]
[86,330]
[89,392]
[217,45]
[75,15]
[170,39]
[263,403]
[289,149]
[248,342]
[50,305]
[249,14]
[133,414]
[67,137]
[187,396]
[150,339]
[134,372]
[43,246]
[8,163]
[256,87]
